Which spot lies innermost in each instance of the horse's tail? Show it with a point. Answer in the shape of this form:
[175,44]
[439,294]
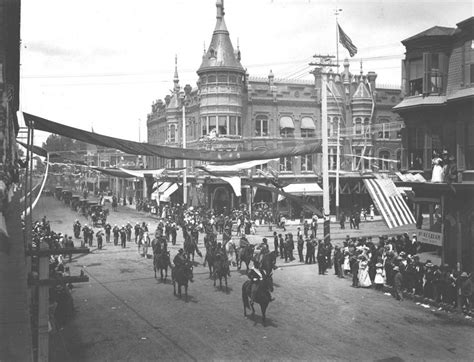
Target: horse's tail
[245,296]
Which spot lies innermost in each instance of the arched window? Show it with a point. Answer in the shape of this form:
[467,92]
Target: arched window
[384,165]
[307,127]
[287,127]
[358,126]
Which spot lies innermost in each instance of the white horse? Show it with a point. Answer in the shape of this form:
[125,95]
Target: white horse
[231,251]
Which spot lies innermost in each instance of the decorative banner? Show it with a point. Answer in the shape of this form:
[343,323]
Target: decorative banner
[147,149]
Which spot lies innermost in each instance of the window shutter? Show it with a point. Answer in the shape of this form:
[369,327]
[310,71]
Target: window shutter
[443,68]
[460,140]
[426,70]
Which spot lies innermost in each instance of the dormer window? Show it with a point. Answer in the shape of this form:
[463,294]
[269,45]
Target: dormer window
[212,53]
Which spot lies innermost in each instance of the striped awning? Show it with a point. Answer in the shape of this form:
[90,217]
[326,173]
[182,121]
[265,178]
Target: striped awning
[389,202]
[165,197]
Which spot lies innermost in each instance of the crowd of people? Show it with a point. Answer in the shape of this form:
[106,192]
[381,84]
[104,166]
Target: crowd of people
[43,236]
[391,261]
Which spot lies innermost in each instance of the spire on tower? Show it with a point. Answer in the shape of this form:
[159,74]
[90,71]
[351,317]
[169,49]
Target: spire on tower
[220,9]
[176,78]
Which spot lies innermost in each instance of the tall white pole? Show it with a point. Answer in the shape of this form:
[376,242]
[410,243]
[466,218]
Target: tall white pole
[324,130]
[185,178]
[338,165]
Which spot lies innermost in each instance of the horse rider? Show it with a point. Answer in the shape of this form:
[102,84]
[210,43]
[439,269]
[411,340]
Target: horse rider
[256,276]
[180,259]
[261,250]
[221,254]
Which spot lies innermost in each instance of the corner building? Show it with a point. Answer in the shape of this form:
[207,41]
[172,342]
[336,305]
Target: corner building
[230,110]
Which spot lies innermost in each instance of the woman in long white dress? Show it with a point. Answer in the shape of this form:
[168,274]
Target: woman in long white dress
[437,174]
[364,278]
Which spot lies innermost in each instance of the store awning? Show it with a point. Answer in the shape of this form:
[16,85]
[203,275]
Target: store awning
[167,193]
[163,187]
[307,189]
[307,123]
[286,122]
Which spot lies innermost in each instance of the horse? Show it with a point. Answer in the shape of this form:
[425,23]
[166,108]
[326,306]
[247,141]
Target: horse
[161,261]
[182,275]
[210,258]
[262,295]
[231,251]
[221,270]
[246,255]
[268,262]
[190,247]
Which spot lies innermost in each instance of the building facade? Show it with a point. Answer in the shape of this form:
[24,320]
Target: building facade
[230,110]
[438,110]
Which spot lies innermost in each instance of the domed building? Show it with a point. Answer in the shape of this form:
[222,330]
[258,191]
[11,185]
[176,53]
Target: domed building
[231,110]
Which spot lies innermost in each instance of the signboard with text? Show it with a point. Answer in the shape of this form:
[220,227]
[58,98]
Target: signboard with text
[430,237]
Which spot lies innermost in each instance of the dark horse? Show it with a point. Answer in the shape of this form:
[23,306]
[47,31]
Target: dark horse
[268,262]
[262,295]
[190,246]
[210,258]
[246,255]
[182,275]
[162,261]
[221,270]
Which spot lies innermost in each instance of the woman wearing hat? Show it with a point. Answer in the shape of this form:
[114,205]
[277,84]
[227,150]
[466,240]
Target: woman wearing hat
[379,279]
[364,278]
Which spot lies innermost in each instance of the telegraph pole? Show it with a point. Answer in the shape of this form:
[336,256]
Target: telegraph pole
[185,178]
[323,63]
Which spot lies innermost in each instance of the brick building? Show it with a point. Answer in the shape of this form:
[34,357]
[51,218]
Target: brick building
[438,110]
[231,110]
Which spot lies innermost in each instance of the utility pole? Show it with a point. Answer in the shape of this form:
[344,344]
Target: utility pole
[185,178]
[323,63]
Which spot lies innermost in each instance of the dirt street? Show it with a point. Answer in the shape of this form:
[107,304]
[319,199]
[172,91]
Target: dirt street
[124,313]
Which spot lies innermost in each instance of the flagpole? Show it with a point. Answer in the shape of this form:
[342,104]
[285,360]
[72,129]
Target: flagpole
[338,140]
[336,13]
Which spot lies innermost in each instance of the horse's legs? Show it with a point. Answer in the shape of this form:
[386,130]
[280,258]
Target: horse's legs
[174,287]
[186,292]
[263,308]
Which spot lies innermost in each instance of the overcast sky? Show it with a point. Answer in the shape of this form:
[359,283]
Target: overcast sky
[101,63]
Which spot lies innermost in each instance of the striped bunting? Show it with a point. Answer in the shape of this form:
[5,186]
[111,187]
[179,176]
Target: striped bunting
[389,202]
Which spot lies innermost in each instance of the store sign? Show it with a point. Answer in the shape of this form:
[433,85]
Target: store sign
[430,237]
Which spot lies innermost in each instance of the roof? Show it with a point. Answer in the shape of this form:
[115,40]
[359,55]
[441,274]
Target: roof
[418,101]
[431,32]
[220,53]
[362,92]
[461,93]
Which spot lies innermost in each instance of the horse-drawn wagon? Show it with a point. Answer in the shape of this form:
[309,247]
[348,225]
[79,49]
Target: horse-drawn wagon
[75,202]
[58,192]
[98,215]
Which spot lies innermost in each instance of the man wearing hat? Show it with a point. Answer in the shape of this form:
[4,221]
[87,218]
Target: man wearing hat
[397,284]
[179,259]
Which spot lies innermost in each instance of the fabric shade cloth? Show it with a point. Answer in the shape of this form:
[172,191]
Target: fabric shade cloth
[237,166]
[168,192]
[147,149]
[306,189]
[307,123]
[286,122]
[142,173]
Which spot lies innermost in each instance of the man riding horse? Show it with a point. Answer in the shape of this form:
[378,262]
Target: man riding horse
[260,252]
[256,276]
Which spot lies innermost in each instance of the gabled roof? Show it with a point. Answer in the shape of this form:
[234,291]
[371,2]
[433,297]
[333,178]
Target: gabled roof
[431,32]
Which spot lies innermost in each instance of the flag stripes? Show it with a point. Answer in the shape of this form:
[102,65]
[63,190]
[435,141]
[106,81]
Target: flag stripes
[389,202]
[346,42]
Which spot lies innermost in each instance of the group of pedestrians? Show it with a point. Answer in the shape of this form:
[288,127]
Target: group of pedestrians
[394,262]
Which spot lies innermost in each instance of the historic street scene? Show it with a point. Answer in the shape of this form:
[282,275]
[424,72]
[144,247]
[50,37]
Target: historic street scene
[236,180]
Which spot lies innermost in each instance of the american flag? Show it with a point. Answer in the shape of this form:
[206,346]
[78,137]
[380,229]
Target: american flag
[389,202]
[346,42]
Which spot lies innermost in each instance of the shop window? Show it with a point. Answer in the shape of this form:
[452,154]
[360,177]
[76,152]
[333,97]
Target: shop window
[287,132]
